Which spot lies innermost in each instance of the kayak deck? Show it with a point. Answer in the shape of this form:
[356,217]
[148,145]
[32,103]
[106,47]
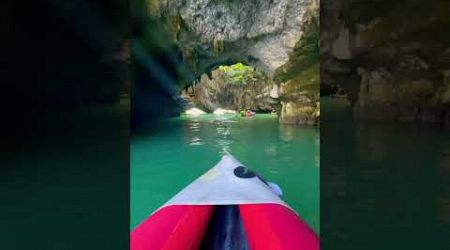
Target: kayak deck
[229,207]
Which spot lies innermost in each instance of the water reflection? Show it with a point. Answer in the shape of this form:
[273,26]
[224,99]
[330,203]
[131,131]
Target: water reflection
[444,191]
[287,132]
[193,133]
[196,141]
[194,126]
[383,185]
[223,139]
[317,155]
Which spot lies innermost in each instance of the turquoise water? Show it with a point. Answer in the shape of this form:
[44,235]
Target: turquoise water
[169,156]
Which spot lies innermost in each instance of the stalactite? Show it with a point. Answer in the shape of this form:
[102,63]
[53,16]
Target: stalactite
[217,46]
[176,26]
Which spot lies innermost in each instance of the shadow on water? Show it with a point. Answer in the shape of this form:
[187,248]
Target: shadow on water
[383,186]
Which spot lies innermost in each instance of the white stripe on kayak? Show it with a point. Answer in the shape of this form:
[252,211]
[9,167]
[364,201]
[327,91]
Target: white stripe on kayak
[219,186]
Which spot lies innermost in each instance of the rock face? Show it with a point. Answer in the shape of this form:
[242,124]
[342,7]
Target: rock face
[220,111]
[220,91]
[385,96]
[260,33]
[382,55]
[298,113]
[279,38]
[194,112]
[299,77]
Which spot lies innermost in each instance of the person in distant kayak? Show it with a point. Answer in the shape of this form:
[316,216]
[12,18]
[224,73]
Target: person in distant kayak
[249,113]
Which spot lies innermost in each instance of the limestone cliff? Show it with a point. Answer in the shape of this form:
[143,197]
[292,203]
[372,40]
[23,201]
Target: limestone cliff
[299,77]
[392,57]
[278,38]
[260,33]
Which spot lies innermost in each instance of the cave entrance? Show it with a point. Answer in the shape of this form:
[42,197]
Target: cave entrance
[236,86]
[333,91]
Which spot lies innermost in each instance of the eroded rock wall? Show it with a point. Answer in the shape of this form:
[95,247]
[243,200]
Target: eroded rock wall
[279,38]
[257,93]
[392,57]
[210,32]
[299,77]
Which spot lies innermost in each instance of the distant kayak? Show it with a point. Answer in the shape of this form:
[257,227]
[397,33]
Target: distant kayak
[228,207]
[250,113]
[247,113]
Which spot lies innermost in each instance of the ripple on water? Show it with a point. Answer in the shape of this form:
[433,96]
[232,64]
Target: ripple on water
[194,145]
[196,141]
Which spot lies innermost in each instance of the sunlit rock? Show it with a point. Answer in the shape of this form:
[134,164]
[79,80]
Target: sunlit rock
[194,112]
[298,113]
[220,111]
[234,87]
[274,92]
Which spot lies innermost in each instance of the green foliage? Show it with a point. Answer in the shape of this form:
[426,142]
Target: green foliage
[241,74]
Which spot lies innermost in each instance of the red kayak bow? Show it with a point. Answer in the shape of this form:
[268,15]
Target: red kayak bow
[229,207]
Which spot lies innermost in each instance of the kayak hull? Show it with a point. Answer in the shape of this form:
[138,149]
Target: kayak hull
[266,226]
[173,227]
[229,207]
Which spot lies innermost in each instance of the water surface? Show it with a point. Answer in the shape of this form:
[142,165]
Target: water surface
[169,156]
[383,185]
